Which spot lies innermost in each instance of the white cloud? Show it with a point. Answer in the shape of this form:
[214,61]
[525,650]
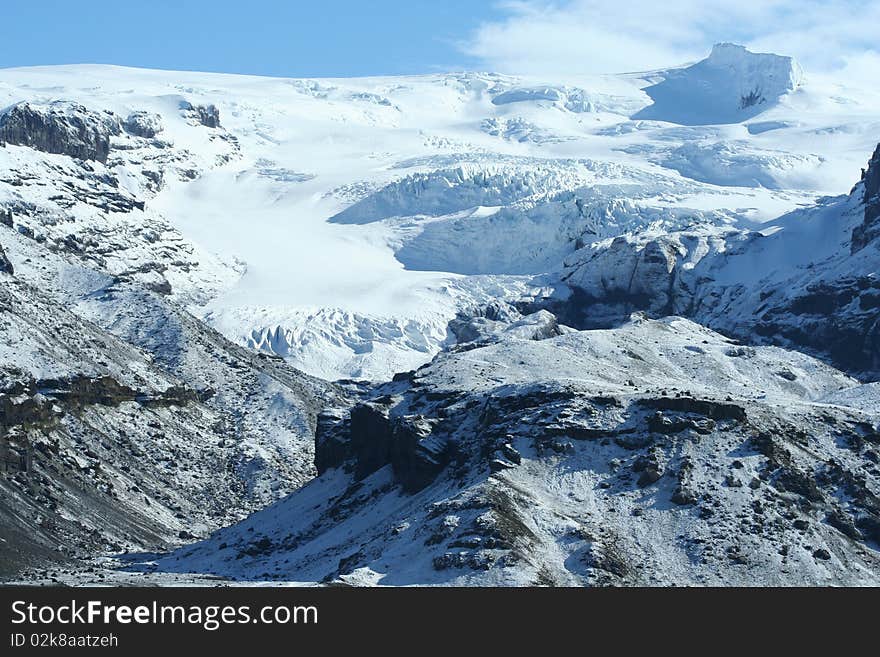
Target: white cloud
[612,36]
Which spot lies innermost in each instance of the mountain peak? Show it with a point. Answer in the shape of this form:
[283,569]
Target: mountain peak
[727,48]
[733,54]
[731,85]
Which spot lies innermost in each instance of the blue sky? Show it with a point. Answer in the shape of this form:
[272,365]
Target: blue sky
[268,37]
[323,38]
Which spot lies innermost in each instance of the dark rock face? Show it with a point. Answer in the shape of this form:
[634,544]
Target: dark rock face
[711,409]
[143,124]
[332,447]
[417,458]
[207,115]
[60,127]
[373,437]
[42,403]
[633,278]
[870,229]
[839,318]
[5,265]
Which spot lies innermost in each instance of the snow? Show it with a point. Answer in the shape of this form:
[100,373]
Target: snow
[864,397]
[729,164]
[729,86]
[269,407]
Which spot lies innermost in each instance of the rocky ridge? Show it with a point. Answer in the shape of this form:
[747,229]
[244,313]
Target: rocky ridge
[655,453]
[125,422]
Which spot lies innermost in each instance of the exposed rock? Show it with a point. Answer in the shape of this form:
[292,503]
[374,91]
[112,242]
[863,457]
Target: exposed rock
[501,320]
[143,124]
[5,265]
[836,318]
[371,437]
[416,456]
[483,486]
[60,127]
[99,215]
[829,308]
[628,276]
[101,449]
[707,408]
[332,443]
[660,423]
[207,115]
[374,436]
[870,229]
[794,481]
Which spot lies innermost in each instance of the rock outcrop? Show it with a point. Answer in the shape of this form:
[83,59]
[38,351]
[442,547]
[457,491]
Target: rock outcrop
[104,448]
[5,265]
[207,115]
[499,320]
[60,127]
[655,453]
[143,124]
[630,275]
[375,434]
[870,229]
[839,319]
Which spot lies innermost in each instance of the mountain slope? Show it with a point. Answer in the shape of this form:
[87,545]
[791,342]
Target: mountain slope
[175,244]
[808,280]
[106,446]
[656,453]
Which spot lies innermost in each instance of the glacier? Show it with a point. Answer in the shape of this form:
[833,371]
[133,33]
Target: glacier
[378,171]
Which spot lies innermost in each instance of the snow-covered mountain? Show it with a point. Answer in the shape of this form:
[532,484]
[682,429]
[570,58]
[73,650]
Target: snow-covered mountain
[232,191]
[807,280]
[189,261]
